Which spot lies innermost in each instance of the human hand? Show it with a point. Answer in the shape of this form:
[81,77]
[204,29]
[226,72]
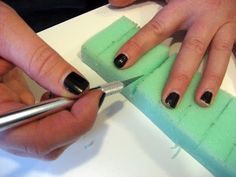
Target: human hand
[209,23]
[46,138]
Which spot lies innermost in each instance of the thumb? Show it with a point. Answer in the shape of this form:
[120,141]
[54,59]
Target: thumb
[121,3]
[21,46]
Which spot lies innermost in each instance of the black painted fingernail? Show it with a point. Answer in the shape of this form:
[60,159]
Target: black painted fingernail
[172,100]
[120,60]
[101,100]
[206,97]
[75,84]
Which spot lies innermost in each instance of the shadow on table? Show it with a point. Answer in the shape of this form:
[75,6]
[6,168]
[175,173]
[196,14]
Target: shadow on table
[78,154]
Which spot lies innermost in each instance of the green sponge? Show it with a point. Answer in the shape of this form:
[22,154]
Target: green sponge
[189,125]
[112,38]
[208,134]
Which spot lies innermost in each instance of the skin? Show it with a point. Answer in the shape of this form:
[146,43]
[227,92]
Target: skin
[209,26]
[21,48]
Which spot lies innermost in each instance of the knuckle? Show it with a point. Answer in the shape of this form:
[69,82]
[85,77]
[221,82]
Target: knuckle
[222,46]
[157,26]
[183,78]
[134,44]
[196,45]
[42,61]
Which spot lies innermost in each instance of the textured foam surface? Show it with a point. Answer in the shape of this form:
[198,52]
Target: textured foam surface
[208,134]
[112,38]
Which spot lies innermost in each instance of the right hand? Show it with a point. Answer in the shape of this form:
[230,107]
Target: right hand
[46,138]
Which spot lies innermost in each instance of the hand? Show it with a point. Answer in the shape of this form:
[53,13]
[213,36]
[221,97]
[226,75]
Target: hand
[46,138]
[209,23]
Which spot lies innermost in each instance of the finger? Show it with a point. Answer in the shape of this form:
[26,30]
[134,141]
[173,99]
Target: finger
[15,81]
[234,49]
[50,156]
[7,95]
[55,153]
[121,3]
[17,153]
[187,62]
[47,95]
[167,21]
[220,51]
[25,49]
[5,66]
[40,138]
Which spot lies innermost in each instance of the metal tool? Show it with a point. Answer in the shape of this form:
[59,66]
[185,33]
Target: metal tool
[44,108]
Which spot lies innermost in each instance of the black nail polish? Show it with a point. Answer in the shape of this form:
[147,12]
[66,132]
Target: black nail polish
[120,60]
[206,97]
[172,100]
[101,100]
[75,84]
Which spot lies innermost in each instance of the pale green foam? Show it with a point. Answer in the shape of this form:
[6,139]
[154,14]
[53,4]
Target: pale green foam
[102,62]
[208,134]
[220,140]
[188,124]
[108,36]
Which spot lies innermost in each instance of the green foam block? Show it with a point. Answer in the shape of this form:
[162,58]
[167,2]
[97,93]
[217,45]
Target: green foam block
[111,38]
[208,134]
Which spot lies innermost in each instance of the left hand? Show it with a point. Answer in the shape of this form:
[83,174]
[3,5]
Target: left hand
[209,23]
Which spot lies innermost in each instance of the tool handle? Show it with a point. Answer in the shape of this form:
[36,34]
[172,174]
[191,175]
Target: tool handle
[30,113]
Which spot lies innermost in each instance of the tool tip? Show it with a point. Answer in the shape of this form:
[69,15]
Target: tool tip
[131,80]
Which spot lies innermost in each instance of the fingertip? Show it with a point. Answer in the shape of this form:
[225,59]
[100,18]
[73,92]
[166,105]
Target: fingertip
[174,90]
[205,97]
[120,61]
[74,84]
[171,99]
[121,3]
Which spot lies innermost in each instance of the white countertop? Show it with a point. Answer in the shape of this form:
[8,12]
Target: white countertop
[123,142]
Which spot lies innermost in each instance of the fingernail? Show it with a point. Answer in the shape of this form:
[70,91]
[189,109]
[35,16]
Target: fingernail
[206,97]
[101,100]
[75,84]
[120,60]
[172,100]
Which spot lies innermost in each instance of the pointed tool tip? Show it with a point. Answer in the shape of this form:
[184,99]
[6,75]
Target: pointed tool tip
[131,80]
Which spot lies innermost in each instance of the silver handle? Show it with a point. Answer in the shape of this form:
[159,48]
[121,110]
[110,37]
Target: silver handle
[42,109]
[30,113]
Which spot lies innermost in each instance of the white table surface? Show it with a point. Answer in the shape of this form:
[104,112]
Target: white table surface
[123,142]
